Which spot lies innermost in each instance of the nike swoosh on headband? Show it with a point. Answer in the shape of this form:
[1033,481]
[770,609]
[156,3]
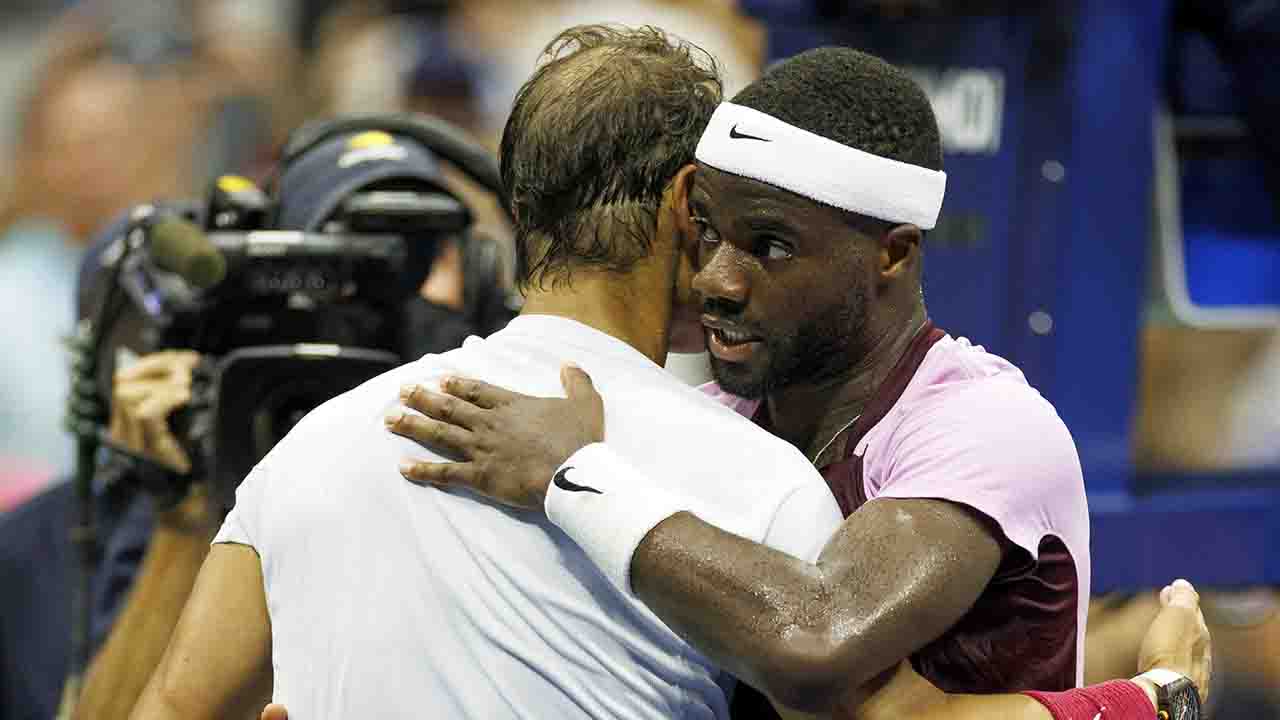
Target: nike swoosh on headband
[734,134]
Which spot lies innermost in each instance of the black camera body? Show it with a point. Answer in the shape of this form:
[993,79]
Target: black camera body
[299,318]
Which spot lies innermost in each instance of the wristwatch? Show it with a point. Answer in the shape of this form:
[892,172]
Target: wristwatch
[1176,696]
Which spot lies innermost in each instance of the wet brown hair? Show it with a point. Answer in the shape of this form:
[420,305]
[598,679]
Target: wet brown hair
[593,139]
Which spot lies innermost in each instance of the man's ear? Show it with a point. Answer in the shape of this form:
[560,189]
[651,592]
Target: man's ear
[681,187]
[900,251]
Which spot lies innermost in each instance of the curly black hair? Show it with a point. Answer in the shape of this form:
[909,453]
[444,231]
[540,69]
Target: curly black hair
[856,99]
[853,98]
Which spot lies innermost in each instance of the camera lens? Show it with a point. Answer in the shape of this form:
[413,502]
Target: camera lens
[283,408]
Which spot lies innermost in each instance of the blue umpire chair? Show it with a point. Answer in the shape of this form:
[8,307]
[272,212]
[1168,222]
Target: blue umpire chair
[1053,131]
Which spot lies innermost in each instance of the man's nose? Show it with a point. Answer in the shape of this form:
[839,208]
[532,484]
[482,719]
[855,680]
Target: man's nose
[724,276]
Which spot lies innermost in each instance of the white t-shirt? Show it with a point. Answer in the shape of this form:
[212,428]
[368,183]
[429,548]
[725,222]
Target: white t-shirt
[391,600]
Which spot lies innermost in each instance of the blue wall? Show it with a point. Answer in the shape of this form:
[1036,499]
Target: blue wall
[1047,115]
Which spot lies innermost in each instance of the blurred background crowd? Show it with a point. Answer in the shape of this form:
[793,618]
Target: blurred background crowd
[1112,223]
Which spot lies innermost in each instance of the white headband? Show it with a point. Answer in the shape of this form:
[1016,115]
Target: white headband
[747,142]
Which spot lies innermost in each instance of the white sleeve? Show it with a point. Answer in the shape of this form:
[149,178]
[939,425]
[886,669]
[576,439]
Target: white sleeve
[805,522]
[241,524]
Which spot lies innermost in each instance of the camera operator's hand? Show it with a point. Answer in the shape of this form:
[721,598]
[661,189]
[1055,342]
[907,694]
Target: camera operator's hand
[142,398]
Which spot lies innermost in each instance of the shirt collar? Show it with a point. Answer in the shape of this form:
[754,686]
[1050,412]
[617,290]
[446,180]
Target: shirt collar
[579,335]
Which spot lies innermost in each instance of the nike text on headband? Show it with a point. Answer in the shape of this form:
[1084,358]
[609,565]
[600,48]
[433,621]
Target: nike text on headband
[756,145]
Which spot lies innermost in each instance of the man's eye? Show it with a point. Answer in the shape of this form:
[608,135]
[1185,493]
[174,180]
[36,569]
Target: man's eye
[706,233]
[771,248]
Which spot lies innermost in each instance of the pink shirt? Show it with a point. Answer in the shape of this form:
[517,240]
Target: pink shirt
[957,423]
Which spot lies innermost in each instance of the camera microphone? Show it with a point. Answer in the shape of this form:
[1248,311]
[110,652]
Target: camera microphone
[181,247]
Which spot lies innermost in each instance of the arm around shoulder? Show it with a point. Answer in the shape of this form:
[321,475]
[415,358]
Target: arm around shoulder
[896,575]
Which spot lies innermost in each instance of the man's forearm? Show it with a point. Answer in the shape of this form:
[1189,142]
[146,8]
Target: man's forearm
[903,693]
[697,578]
[891,580]
[988,707]
[138,639]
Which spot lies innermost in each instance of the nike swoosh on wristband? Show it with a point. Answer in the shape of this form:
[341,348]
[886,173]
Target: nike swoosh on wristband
[735,135]
[564,483]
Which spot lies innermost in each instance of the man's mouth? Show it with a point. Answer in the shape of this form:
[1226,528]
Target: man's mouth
[730,343]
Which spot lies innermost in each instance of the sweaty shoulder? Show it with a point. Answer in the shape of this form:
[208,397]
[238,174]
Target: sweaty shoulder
[969,428]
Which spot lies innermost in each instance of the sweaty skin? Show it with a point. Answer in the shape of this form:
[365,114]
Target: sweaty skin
[811,636]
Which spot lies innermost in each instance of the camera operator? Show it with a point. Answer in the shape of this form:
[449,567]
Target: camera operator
[153,550]
[161,551]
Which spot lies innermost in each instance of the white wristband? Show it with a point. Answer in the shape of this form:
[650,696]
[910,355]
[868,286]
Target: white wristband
[606,507]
